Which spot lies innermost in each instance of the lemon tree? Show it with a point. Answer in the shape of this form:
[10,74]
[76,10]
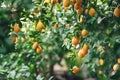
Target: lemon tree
[37,34]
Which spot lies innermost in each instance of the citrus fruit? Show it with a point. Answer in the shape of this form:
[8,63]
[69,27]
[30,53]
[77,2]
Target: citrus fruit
[75,40]
[35,45]
[16,28]
[117,12]
[84,32]
[40,25]
[75,69]
[92,12]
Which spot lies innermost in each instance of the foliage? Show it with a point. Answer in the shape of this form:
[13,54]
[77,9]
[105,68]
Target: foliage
[95,24]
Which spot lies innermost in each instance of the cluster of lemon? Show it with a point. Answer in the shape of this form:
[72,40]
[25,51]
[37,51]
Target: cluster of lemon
[16,29]
[115,66]
[75,41]
[37,47]
[82,52]
[77,6]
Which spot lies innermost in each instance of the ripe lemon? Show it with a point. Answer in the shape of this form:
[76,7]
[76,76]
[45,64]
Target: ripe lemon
[92,12]
[75,69]
[108,32]
[75,40]
[115,67]
[40,25]
[39,50]
[66,3]
[118,60]
[85,49]
[35,45]
[80,10]
[101,62]
[81,53]
[16,28]
[117,12]
[84,32]
[100,72]
[76,6]
[86,11]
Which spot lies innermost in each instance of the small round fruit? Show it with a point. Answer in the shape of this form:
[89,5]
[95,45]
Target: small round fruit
[86,11]
[100,72]
[101,62]
[75,69]
[85,49]
[16,28]
[84,32]
[81,53]
[92,12]
[76,6]
[118,60]
[117,12]
[66,3]
[107,31]
[39,50]
[80,10]
[35,45]
[40,25]
[115,67]
[75,40]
